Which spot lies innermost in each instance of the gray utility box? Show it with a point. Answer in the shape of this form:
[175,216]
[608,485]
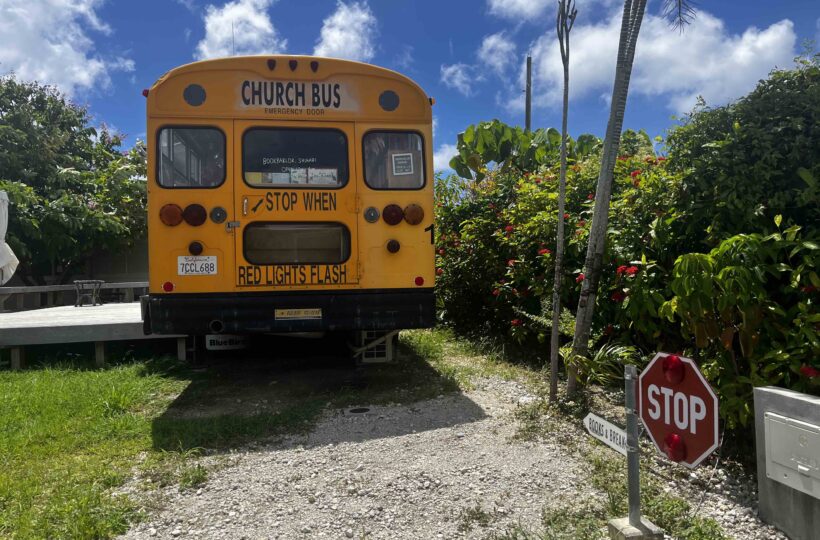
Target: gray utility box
[787,431]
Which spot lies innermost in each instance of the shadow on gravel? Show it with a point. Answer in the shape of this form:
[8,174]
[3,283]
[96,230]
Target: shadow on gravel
[283,385]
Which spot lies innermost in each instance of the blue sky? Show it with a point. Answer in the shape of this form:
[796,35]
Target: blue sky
[468,54]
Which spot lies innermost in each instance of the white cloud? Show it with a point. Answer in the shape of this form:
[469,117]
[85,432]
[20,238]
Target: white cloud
[348,33]
[190,5]
[435,124]
[460,77]
[497,52]
[518,9]
[442,157]
[239,27]
[47,41]
[404,60]
[706,59]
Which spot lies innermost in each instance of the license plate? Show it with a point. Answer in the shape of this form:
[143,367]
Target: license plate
[204,265]
[298,314]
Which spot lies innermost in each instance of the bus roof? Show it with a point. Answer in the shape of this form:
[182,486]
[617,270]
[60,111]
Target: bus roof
[288,87]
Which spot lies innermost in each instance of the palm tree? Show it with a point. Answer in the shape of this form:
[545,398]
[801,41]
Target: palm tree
[564,23]
[680,13]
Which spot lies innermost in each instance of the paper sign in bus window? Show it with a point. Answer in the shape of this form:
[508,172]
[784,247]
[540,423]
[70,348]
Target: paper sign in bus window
[402,164]
[275,178]
[326,177]
[298,175]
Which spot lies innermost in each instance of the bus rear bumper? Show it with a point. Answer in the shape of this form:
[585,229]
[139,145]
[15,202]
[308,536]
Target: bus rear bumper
[305,311]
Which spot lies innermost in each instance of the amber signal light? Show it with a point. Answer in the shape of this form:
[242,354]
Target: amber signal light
[195,215]
[170,215]
[413,214]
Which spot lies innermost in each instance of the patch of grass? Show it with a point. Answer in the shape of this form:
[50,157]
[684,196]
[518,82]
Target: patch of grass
[672,514]
[559,524]
[475,515]
[193,476]
[460,360]
[69,435]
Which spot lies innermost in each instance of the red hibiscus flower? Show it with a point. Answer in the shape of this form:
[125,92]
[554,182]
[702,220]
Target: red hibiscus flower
[591,197]
[544,251]
[439,271]
[509,228]
[511,262]
[581,222]
[661,158]
[580,278]
[515,322]
[566,215]
[621,269]
[632,270]
[496,292]
[636,173]
[809,371]
[618,296]
[441,252]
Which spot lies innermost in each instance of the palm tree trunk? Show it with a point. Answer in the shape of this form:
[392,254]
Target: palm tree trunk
[566,18]
[630,29]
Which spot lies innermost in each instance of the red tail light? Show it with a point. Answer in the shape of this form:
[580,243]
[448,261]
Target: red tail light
[168,286]
[413,214]
[195,215]
[392,214]
[171,215]
[419,281]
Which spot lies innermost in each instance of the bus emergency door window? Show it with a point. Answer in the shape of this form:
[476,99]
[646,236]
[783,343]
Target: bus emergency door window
[312,158]
[296,243]
[191,157]
[393,160]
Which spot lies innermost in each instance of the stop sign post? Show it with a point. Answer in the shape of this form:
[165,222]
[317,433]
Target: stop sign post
[678,409]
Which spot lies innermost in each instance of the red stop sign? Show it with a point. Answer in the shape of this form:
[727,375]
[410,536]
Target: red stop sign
[679,409]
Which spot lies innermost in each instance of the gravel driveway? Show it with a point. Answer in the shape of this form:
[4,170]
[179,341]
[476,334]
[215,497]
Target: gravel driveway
[447,467]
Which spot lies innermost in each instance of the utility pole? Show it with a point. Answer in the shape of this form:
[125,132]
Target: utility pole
[528,118]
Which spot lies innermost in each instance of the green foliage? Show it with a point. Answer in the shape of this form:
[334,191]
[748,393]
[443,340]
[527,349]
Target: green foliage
[740,181]
[496,239]
[72,192]
[512,148]
[749,161]
[750,306]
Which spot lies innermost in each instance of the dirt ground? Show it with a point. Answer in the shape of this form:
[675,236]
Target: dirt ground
[449,466]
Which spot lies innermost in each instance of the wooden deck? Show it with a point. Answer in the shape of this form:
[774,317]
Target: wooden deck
[69,324]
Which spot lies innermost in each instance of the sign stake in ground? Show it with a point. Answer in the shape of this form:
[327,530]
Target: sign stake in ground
[679,409]
[635,526]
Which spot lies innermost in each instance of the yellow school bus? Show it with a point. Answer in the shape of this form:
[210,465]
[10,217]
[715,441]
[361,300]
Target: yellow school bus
[288,194]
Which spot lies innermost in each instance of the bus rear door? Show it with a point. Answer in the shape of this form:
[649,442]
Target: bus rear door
[295,201]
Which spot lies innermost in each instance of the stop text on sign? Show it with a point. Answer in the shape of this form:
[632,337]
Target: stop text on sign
[685,411]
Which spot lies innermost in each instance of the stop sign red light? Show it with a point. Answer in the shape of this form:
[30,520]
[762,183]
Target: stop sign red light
[678,408]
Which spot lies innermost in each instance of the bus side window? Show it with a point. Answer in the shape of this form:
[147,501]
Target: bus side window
[393,160]
[191,157]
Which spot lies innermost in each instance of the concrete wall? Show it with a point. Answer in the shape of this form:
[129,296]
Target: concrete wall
[795,513]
